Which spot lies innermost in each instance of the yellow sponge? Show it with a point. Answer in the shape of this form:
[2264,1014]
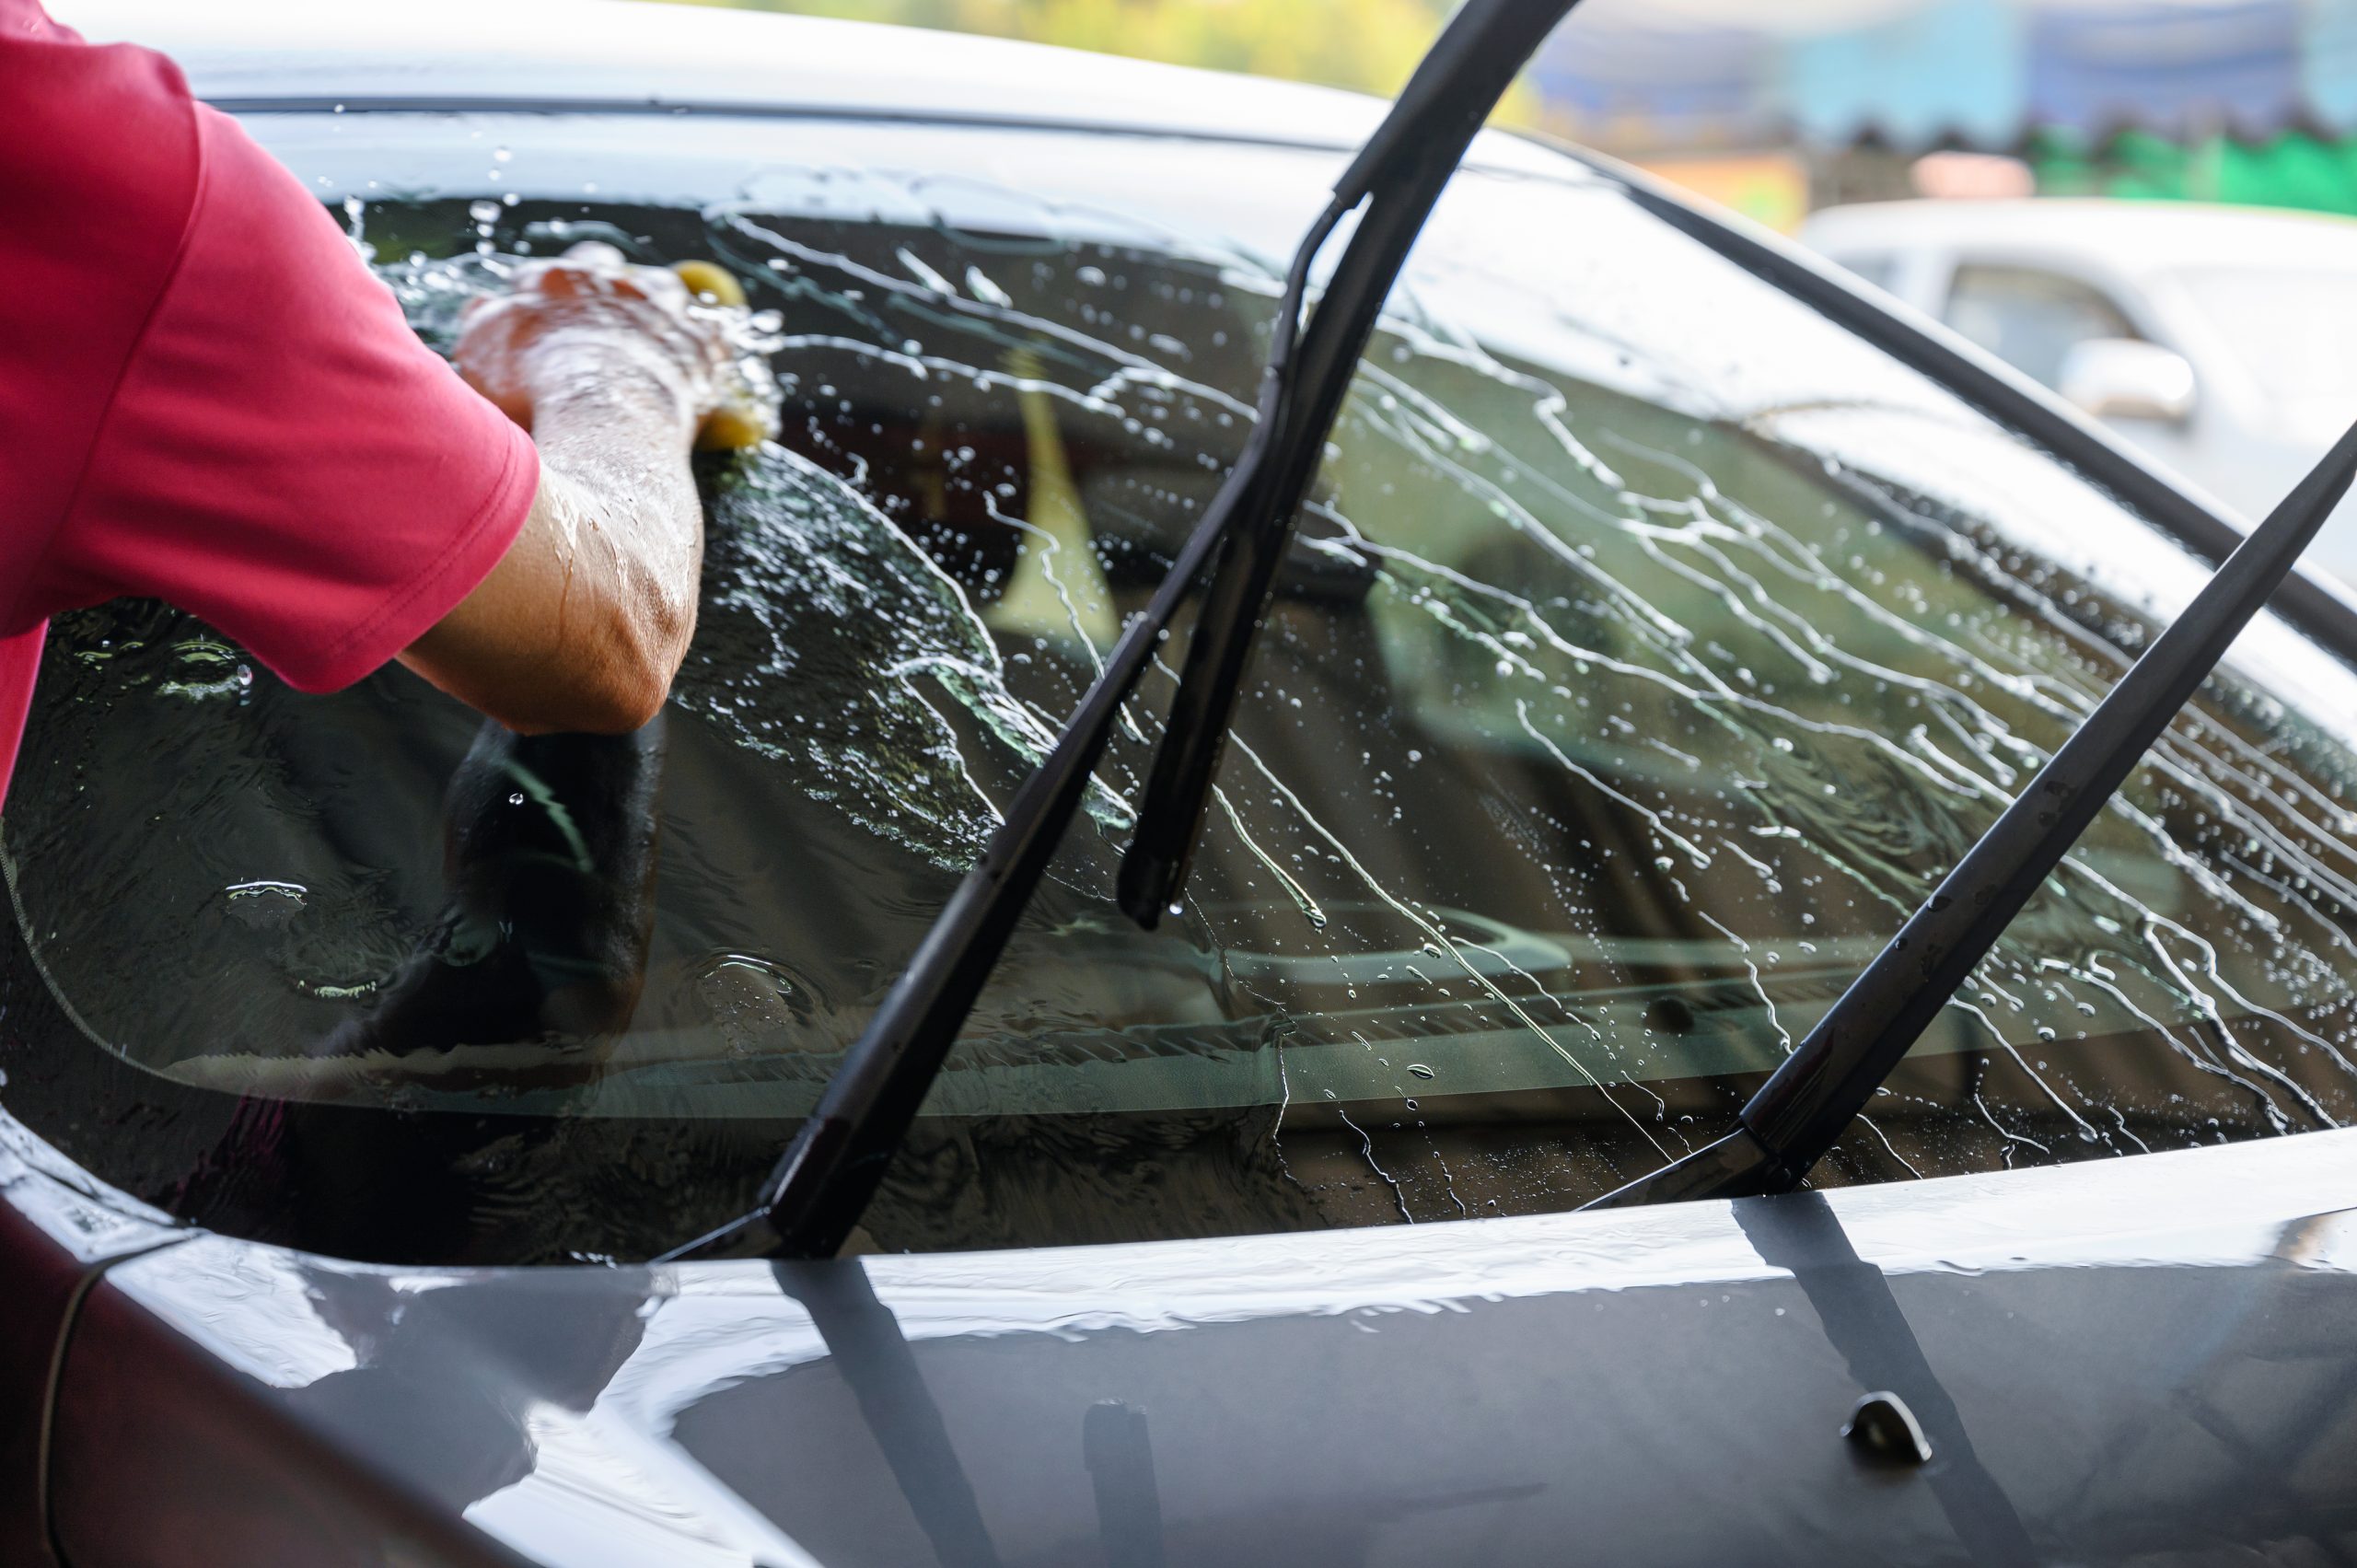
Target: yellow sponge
[741,420]
[731,428]
[710,282]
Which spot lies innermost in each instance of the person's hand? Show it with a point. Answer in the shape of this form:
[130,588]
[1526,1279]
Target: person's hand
[619,372]
[589,325]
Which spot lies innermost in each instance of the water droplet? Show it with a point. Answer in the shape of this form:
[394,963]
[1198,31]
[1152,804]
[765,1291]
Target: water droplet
[264,903]
[1420,1070]
[484,211]
[749,999]
[516,799]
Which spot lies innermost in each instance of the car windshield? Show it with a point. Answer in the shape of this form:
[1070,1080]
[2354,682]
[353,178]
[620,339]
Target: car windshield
[2292,330]
[1650,648]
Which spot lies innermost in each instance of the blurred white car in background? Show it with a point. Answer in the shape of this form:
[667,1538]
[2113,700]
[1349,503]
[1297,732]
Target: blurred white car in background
[2223,341]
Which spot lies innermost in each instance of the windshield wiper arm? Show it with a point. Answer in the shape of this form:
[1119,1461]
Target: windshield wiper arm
[1810,1100]
[817,1191]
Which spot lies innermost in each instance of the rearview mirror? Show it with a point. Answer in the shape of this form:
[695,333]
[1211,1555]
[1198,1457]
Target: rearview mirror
[2127,378]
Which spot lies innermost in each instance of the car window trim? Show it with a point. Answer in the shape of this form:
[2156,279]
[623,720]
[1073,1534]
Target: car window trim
[849,113]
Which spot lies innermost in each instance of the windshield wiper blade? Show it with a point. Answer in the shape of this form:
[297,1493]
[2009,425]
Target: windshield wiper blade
[1399,172]
[1810,1100]
[817,1191]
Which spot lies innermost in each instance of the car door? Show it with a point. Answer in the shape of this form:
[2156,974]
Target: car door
[2028,315]
[2033,313]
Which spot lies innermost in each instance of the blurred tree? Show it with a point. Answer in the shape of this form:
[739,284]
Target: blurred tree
[2290,170]
[1370,45]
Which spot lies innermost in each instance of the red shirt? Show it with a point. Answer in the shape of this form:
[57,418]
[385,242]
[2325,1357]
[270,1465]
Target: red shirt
[205,397]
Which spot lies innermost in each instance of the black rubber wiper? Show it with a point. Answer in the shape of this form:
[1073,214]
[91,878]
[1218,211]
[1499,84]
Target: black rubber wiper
[816,1193]
[1400,173]
[1809,1101]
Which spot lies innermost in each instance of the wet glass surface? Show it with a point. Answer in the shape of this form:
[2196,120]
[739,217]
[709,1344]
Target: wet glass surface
[1650,648]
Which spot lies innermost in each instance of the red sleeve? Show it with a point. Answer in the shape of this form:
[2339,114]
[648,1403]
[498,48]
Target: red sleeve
[283,457]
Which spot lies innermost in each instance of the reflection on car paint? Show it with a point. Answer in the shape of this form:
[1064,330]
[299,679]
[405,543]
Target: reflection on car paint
[626,1399]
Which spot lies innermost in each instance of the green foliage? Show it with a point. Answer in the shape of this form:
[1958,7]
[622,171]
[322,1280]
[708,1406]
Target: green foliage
[1367,44]
[2292,170]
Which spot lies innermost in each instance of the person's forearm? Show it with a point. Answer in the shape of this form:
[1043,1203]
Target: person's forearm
[583,622]
[615,454]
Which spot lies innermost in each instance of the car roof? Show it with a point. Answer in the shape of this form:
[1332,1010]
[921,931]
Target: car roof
[629,54]
[2127,236]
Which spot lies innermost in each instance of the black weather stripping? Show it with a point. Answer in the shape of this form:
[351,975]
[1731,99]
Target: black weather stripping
[1810,1100]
